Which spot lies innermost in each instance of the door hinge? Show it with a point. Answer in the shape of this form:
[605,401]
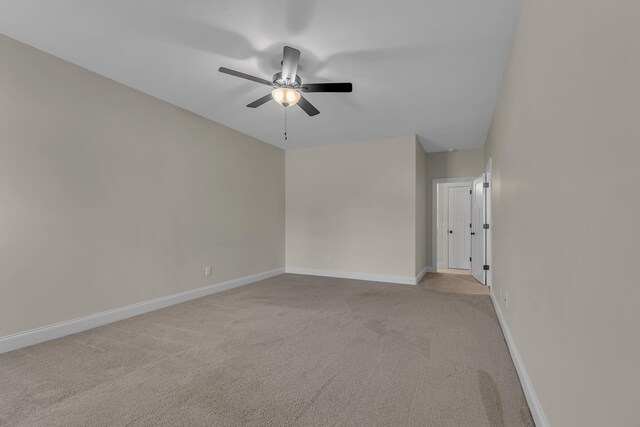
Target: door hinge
[485,226]
[469,259]
[485,267]
[470,192]
[485,184]
[470,225]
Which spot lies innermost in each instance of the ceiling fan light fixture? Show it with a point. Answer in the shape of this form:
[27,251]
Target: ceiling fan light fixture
[286,96]
[286,85]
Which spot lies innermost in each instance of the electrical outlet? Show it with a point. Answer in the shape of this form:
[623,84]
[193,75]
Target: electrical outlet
[207,271]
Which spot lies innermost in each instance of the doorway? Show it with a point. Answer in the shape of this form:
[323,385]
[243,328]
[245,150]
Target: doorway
[479,225]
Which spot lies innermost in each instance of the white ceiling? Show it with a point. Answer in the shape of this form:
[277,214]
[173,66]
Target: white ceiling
[426,67]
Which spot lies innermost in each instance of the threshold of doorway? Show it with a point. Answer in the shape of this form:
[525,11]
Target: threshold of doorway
[454,271]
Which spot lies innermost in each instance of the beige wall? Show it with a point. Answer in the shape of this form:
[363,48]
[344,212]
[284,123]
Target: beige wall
[353,203]
[110,197]
[448,164]
[565,148]
[421,209]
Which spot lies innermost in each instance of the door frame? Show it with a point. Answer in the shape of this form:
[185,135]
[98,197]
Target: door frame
[434,212]
[489,218]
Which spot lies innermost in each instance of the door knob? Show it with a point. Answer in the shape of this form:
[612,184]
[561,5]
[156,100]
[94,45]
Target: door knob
[450,231]
[473,234]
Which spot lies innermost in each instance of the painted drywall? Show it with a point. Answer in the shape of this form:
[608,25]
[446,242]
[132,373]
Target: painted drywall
[421,209]
[351,207]
[109,197]
[454,50]
[565,144]
[448,164]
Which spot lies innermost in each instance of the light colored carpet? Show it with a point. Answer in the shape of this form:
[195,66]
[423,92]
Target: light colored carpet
[291,350]
[453,283]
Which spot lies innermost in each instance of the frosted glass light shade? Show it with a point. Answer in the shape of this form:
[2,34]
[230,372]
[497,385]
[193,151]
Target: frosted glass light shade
[285,96]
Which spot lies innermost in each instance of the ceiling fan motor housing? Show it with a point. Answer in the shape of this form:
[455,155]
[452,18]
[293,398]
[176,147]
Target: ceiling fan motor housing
[277,79]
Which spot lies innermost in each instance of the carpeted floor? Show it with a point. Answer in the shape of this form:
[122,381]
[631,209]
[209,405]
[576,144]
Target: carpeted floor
[455,283]
[291,350]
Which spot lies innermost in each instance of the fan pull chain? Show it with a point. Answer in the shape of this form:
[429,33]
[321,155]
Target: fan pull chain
[285,123]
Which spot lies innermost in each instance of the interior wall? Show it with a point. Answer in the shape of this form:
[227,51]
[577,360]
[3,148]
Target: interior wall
[421,209]
[564,144]
[351,207]
[110,197]
[448,164]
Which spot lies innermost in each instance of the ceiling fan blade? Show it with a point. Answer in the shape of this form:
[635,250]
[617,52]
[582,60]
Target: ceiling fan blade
[244,76]
[290,60]
[327,87]
[259,102]
[307,106]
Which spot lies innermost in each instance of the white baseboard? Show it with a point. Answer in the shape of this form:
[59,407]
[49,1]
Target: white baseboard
[422,273]
[532,399]
[46,333]
[403,280]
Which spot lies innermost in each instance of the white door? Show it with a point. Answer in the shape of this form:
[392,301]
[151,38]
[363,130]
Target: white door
[477,230]
[459,221]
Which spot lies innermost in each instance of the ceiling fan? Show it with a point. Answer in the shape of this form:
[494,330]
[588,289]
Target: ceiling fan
[287,84]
